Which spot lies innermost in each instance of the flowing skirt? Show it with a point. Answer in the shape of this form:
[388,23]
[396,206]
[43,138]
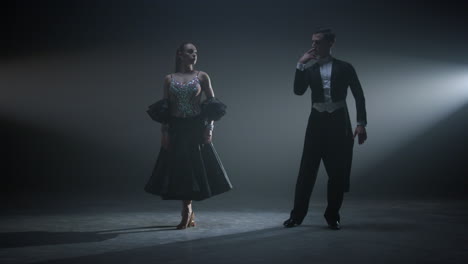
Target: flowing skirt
[188,169]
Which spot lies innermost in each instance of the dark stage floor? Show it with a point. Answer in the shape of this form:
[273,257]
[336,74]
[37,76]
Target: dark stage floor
[142,231]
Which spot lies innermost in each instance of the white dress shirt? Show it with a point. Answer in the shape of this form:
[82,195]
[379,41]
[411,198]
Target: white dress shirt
[328,105]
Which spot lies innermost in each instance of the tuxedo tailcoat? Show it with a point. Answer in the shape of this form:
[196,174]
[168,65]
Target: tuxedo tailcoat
[328,136]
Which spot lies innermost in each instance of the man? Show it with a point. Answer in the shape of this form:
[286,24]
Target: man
[328,135]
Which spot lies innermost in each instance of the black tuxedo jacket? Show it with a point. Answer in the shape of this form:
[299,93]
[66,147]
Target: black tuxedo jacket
[343,76]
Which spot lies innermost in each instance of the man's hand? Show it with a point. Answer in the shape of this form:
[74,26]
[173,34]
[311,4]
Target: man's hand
[309,55]
[361,133]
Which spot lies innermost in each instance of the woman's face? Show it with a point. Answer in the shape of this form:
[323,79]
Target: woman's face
[189,54]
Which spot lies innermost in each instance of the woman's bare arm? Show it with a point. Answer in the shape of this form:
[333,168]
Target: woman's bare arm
[206,87]
[166,84]
[165,127]
[205,83]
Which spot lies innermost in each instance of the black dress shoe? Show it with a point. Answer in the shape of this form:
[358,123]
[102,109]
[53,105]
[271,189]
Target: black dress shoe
[291,222]
[335,225]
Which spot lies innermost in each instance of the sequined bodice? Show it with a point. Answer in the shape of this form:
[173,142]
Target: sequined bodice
[185,98]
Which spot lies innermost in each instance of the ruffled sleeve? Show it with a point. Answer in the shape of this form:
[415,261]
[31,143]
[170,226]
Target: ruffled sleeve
[159,111]
[213,109]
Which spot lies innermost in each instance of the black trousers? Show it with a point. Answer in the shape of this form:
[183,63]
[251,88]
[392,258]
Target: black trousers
[328,138]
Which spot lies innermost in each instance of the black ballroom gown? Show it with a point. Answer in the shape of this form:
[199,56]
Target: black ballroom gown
[188,169]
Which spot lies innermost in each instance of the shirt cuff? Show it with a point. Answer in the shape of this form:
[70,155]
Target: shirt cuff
[300,66]
[361,123]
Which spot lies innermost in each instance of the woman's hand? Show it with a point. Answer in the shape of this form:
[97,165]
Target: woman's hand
[207,135]
[165,140]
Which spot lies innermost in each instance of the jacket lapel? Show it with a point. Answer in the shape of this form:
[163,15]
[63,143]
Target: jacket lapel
[334,71]
[317,81]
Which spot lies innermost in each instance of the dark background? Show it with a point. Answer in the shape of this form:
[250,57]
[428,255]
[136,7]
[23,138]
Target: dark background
[76,78]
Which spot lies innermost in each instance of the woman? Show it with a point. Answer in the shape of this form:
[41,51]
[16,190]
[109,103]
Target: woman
[188,167]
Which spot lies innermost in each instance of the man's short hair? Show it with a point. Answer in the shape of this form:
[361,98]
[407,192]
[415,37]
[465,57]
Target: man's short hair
[327,34]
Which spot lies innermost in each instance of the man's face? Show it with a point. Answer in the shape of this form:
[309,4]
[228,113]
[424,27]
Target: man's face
[321,45]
